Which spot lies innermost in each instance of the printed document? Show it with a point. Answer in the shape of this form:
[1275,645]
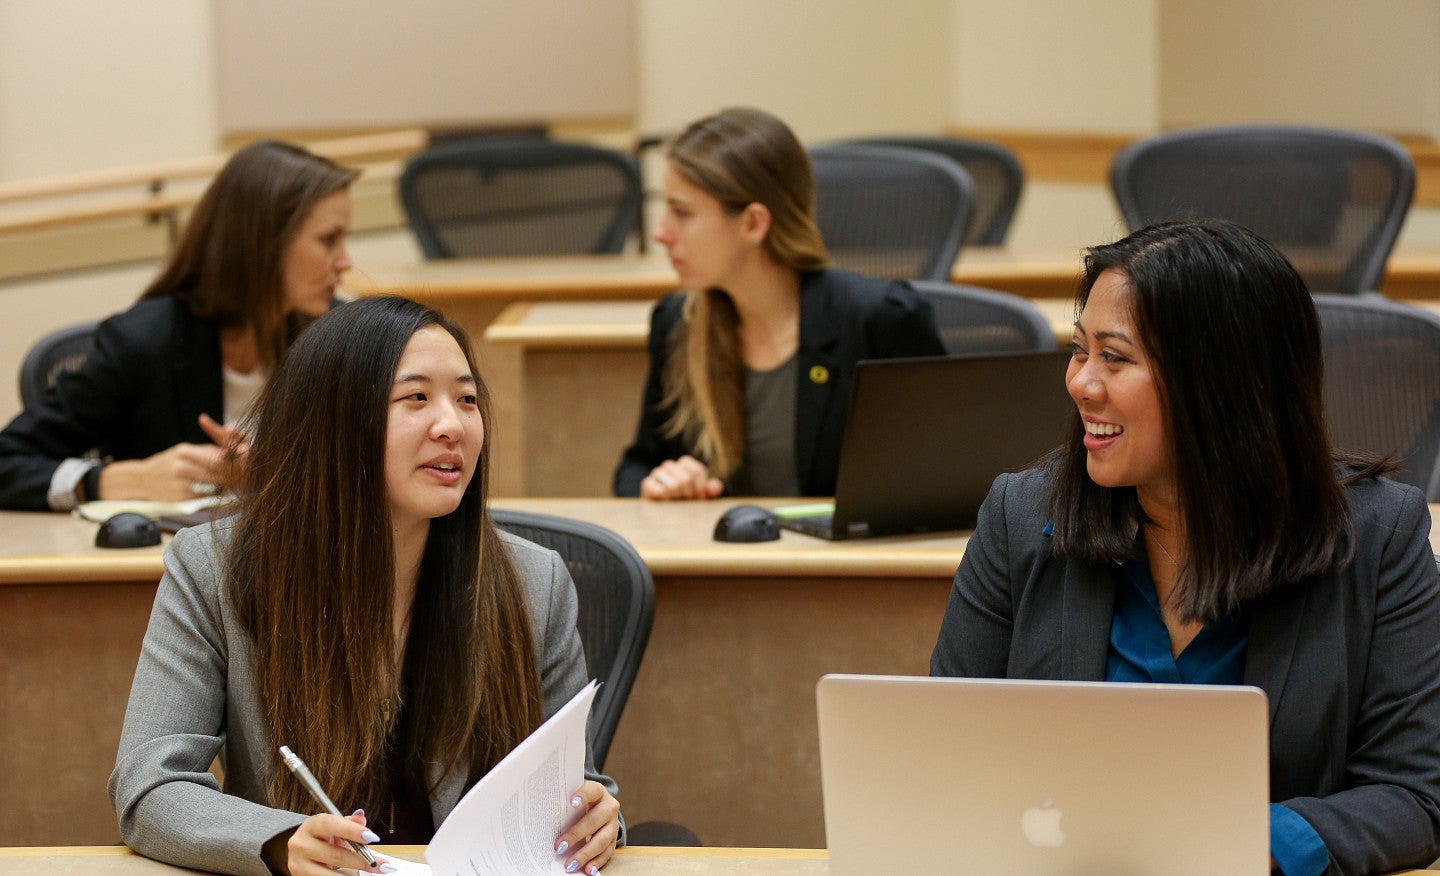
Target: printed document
[508,823]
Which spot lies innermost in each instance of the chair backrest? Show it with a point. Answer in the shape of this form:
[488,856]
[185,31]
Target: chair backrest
[1382,383]
[53,355]
[1332,201]
[975,320]
[617,607]
[898,214]
[520,196]
[996,172]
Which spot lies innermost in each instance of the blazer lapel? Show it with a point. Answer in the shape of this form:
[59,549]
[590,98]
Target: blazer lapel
[1089,608]
[816,377]
[1275,623]
[195,374]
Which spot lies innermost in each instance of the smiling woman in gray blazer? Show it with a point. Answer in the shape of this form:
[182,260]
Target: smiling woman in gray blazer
[1198,528]
[361,609]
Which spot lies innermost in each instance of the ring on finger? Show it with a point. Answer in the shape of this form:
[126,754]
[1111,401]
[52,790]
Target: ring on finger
[662,480]
[203,488]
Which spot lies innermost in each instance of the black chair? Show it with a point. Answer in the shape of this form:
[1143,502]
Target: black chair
[975,320]
[897,214]
[1382,383]
[520,196]
[617,607]
[996,172]
[1332,201]
[60,351]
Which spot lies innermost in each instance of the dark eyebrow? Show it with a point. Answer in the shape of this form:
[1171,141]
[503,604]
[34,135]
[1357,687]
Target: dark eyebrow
[1100,336]
[425,378]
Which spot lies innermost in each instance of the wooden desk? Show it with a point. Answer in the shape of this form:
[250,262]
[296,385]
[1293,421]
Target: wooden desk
[120,861]
[579,372]
[719,733]
[475,291]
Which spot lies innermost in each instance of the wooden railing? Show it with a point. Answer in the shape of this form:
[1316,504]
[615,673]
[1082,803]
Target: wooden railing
[160,192]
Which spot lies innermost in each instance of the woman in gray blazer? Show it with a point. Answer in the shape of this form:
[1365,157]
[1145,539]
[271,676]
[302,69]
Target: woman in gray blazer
[1198,528]
[361,609]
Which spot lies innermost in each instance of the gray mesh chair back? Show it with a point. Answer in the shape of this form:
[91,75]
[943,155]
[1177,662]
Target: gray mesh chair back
[521,196]
[898,214]
[996,172]
[617,607]
[58,352]
[1382,383]
[975,320]
[1332,201]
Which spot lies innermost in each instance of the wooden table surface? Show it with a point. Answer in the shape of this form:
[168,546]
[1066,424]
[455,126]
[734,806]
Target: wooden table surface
[1035,272]
[639,861]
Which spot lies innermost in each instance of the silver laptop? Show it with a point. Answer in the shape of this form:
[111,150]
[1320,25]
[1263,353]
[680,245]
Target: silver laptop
[946,775]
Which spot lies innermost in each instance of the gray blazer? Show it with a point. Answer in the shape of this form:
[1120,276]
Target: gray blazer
[194,696]
[1350,660]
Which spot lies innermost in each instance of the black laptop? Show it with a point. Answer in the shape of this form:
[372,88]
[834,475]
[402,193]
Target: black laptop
[925,439]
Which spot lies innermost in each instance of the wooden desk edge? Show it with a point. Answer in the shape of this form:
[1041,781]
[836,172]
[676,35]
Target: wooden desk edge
[628,852]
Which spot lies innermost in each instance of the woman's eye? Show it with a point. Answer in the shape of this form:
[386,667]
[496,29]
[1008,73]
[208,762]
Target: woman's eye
[1113,357]
[469,400]
[1076,351]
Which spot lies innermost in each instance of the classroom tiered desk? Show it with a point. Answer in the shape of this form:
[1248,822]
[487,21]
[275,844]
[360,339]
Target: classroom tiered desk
[719,733]
[474,292]
[120,861]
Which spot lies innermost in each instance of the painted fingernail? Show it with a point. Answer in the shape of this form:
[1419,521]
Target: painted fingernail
[369,836]
[560,849]
[572,866]
[576,801]
[357,812]
[594,870]
[388,867]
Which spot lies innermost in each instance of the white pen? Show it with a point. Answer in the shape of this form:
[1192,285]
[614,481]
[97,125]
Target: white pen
[307,778]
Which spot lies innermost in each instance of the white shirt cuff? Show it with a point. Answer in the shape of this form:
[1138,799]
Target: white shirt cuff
[67,477]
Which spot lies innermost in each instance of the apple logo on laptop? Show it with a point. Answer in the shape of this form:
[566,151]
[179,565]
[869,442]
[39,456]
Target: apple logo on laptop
[1041,826]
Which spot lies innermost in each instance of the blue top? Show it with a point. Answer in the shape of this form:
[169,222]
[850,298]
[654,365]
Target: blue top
[1140,652]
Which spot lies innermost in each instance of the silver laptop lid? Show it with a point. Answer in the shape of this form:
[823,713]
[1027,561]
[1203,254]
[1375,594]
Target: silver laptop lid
[1043,777]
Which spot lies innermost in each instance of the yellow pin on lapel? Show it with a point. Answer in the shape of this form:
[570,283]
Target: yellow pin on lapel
[819,374]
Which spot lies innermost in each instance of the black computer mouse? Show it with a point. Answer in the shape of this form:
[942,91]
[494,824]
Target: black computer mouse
[127,530]
[747,523]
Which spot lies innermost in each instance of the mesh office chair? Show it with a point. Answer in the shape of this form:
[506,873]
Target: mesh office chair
[975,320]
[1331,200]
[520,196]
[996,172]
[898,214]
[617,607]
[53,355]
[1382,383]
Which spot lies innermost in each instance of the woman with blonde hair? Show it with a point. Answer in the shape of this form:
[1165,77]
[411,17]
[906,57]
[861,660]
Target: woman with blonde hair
[157,396]
[751,365]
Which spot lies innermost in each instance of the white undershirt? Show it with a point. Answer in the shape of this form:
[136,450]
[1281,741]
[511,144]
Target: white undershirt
[238,390]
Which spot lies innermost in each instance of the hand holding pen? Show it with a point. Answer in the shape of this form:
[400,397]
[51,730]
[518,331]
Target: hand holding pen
[302,772]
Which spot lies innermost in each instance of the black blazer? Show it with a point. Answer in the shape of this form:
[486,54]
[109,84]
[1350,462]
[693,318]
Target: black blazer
[844,318]
[154,369]
[1350,660]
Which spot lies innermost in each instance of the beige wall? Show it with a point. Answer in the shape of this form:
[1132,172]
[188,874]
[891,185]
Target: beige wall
[1056,65]
[830,69]
[1372,65]
[91,84]
[288,65]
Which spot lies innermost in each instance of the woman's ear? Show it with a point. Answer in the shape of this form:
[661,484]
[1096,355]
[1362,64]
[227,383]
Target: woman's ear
[755,222]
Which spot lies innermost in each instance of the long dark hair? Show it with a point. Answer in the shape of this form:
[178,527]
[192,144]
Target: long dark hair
[311,572]
[1233,341]
[229,263]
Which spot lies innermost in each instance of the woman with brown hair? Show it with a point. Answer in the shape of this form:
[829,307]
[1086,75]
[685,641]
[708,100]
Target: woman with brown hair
[751,364]
[361,609]
[262,254]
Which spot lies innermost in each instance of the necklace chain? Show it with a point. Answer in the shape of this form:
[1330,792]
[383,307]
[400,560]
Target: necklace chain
[1161,545]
